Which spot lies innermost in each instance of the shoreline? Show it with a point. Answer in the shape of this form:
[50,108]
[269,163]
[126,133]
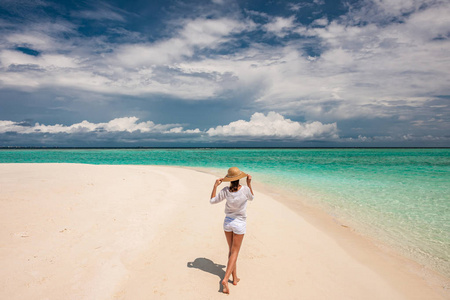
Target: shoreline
[360,245]
[130,231]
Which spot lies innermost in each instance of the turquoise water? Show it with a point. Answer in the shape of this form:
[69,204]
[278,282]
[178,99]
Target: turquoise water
[399,196]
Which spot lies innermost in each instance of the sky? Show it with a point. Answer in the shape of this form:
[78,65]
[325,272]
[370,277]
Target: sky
[225,73]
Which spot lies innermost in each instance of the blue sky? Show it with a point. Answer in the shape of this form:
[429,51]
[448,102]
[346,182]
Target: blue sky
[225,73]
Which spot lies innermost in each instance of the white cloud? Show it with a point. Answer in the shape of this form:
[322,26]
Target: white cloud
[181,130]
[37,40]
[9,58]
[272,125]
[321,22]
[209,32]
[357,69]
[276,126]
[99,15]
[398,138]
[131,68]
[198,33]
[295,7]
[399,7]
[361,66]
[126,124]
[280,26]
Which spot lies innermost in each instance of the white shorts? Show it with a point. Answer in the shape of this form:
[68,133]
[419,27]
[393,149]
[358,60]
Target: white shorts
[234,225]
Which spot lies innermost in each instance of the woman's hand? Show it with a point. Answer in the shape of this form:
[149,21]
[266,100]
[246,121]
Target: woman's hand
[249,183]
[249,179]
[218,182]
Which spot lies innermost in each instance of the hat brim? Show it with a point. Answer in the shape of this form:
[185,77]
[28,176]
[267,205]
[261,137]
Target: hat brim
[242,175]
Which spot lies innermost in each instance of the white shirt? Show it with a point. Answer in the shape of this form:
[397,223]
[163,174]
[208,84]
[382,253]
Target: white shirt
[236,205]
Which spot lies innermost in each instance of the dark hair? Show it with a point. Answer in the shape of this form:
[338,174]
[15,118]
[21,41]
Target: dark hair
[234,186]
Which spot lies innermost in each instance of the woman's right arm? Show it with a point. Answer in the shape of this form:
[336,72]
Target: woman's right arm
[249,183]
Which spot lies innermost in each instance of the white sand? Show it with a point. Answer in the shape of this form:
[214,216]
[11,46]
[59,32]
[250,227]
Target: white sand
[71,231]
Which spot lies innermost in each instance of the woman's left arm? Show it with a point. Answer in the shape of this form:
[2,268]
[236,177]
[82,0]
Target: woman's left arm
[216,184]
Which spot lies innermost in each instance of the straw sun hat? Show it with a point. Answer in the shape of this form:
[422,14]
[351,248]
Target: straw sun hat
[234,174]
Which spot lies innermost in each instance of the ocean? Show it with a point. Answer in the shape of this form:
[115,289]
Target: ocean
[400,197]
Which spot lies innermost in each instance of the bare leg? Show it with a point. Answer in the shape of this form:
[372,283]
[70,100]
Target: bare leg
[236,242]
[229,236]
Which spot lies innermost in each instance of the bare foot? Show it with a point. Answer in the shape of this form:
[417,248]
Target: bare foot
[225,289]
[235,281]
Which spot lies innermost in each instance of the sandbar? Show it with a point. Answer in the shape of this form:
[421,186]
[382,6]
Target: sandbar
[78,231]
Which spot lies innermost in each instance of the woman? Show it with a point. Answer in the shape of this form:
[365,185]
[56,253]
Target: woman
[235,219]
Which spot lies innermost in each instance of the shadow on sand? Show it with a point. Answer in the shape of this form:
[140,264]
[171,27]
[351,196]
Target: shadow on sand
[209,266]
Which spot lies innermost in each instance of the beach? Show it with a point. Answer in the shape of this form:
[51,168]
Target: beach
[79,231]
